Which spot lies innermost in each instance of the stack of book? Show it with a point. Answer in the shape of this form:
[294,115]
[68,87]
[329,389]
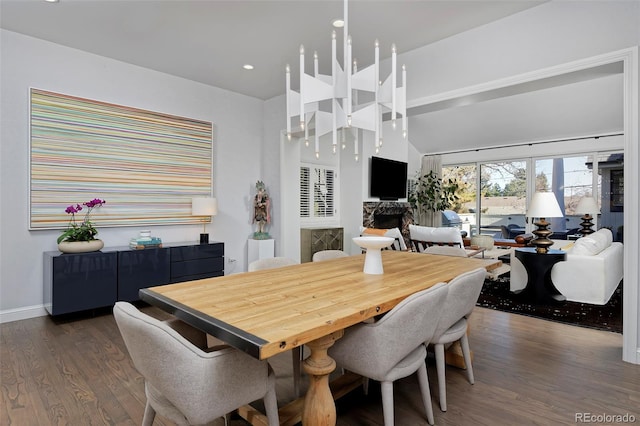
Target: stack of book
[145,243]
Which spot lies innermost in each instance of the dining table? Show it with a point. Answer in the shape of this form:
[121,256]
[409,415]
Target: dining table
[267,312]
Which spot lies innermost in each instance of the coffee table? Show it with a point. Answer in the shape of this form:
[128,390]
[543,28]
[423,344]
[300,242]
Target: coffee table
[475,251]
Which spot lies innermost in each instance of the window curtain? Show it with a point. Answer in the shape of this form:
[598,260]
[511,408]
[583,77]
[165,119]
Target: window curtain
[425,217]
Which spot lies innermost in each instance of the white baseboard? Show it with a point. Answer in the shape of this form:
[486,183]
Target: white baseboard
[27,312]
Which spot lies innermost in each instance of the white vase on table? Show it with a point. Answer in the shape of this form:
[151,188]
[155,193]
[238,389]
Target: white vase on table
[373,257]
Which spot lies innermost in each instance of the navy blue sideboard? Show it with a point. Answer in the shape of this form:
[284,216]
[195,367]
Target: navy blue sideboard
[77,282]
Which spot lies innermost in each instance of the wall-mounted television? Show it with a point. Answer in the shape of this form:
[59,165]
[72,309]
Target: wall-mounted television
[388,179]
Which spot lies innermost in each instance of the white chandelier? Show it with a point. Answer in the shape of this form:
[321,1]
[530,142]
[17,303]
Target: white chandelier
[331,101]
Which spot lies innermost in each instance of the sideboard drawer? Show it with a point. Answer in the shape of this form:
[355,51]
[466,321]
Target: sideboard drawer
[202,251]
[196,262]
[201,268]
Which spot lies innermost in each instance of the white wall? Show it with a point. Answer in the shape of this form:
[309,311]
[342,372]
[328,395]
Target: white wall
[28,62]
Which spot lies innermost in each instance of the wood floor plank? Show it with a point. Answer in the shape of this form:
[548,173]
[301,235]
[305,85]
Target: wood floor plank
[77,371]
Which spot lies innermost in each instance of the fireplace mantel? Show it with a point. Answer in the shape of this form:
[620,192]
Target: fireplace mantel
[372,208]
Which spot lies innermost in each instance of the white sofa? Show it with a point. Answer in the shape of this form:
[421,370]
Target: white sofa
[590,274]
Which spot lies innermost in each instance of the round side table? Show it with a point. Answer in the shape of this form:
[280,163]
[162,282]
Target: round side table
[540,288]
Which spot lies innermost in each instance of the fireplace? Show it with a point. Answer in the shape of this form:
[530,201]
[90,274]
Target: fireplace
[388,214]
[387,221]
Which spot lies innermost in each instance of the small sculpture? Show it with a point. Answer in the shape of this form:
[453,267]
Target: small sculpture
[261,215]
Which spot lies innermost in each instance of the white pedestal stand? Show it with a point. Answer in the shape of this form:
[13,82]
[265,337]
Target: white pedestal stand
[373,257]
[260,249]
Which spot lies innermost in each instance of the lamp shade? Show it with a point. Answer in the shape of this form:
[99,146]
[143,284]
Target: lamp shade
[544,204]
[204,206]
[587,205]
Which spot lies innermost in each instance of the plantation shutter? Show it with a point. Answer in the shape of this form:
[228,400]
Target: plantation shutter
[317,192]
[305,209]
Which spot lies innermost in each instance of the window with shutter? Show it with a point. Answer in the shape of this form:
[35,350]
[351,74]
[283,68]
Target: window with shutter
[304,192]
[318,193]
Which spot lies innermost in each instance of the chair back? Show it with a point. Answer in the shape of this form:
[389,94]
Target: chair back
[398,244]
[464,291]
[425,236]
[328,254]
[446,251]
[400,331]
[271,263]
[200,385]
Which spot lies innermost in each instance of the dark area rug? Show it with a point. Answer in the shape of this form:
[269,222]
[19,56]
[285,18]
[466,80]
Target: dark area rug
[496,295]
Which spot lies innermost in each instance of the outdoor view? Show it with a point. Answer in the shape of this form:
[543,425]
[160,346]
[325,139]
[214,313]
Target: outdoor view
[502,203]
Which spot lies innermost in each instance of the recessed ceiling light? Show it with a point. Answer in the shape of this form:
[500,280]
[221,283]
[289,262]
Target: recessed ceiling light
[338,23]
[52,1]
[247,66]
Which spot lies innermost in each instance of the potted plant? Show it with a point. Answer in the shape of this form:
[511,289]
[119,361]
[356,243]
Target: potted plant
[430,195]
[80,237]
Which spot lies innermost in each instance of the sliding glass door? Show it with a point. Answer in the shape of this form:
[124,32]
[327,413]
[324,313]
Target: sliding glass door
[503,200]
[493,198]
[570,179]
[466,177]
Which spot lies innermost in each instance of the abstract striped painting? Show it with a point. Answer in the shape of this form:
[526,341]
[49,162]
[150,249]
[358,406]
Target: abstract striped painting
[146,165]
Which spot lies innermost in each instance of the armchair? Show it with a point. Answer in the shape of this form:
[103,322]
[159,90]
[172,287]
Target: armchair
[186,383]
[425,236]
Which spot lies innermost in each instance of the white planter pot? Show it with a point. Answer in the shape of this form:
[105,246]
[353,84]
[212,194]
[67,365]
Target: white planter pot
[80,246]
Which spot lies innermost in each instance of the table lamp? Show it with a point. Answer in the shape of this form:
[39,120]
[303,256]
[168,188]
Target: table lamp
[587,206]
[542,206]
[205,207]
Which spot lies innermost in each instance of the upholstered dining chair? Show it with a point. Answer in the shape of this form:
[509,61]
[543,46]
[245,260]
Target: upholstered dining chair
[296,353]
[394,346]
[328,254]
[464,291]
[184,381]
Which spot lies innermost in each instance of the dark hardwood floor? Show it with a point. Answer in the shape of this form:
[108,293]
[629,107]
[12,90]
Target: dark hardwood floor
[76,371]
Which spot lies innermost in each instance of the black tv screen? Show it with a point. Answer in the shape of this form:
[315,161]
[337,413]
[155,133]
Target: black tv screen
[388,179]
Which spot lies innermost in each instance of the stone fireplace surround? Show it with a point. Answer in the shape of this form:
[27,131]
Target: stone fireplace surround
[388,214]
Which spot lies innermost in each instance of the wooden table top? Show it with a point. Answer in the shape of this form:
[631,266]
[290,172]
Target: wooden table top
[271,311]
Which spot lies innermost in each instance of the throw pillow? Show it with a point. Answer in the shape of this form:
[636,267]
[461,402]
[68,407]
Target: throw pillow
[591,245]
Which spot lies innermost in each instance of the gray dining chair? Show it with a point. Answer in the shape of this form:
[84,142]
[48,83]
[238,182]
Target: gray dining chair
[394,346]
[296,353]
[186,382]
[328,254]
[464,291]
